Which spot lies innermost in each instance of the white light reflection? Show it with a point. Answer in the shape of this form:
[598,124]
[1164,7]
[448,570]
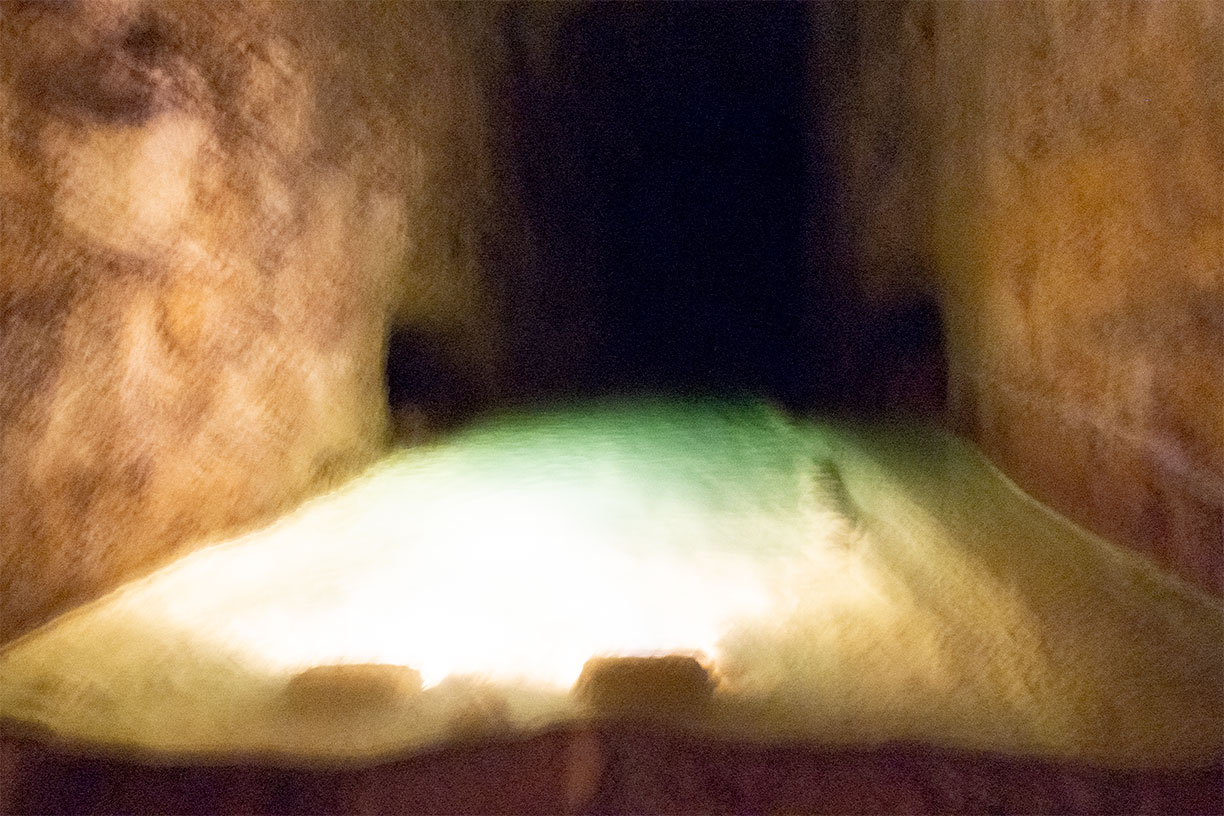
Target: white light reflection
[445,567]
[845,586]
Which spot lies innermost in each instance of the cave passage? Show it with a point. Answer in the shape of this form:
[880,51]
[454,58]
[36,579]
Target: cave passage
[665,159]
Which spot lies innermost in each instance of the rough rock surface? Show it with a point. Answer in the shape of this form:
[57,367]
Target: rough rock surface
[1054,172]
[210,213]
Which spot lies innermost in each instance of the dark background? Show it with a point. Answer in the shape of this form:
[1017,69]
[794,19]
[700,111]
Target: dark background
[670,159]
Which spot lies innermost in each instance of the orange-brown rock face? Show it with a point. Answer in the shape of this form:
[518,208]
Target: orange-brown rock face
[1058,168]
[210,213]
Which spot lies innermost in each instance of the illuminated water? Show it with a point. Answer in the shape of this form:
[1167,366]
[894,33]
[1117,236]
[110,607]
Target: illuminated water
[848,584]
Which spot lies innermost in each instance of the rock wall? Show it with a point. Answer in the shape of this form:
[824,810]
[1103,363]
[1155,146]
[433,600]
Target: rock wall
[1053,171]
[210,215]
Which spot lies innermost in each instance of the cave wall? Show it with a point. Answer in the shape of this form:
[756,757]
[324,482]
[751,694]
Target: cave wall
[210,215]
[1053,173]
[186,357]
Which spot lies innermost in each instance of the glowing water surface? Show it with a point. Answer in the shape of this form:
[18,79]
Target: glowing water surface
[846,584]
[518,551]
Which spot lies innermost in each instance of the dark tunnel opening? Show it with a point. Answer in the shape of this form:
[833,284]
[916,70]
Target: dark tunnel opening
[675,176]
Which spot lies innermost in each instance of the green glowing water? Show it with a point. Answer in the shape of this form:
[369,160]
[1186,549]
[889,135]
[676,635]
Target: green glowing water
[845,583]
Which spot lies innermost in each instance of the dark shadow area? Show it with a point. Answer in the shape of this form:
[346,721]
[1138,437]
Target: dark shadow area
[691,180]
[671,161]
[644,770]
[423,375]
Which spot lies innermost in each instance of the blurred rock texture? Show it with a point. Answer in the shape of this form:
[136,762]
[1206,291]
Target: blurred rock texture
[210,215]
[1053,172]
[606,769]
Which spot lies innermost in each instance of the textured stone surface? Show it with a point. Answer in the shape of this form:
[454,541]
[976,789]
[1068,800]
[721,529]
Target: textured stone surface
[605,770]
[1054,172]
[209,215]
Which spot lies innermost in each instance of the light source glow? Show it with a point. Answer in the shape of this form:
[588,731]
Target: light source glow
[841,583]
